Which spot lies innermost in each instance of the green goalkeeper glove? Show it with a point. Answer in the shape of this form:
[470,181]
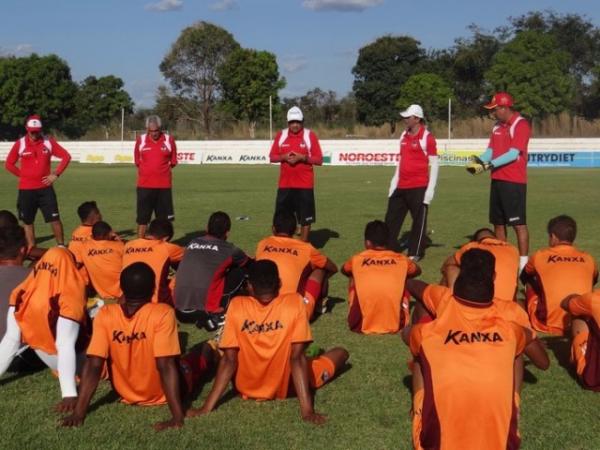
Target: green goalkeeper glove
[477,166]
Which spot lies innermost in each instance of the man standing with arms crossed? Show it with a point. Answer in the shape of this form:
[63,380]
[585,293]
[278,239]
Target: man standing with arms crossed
[298,150]
[155,155]
[34,152]
[506,157]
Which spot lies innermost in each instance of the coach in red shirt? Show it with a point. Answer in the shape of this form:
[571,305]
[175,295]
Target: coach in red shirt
[155,156]
[413,185]
[506,157]
[298,150]
[33,152]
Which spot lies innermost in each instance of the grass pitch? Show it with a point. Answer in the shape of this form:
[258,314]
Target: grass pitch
[368,406]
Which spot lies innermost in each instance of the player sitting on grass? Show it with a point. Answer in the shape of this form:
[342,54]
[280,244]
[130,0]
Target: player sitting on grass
[585,334]
[378,303]
[553,273]
[89,214]
[507,263]
[465,362]
[139,340]
[8,219]
[264,340]
[47,312]
[155,250]
[302,268]
[102,258]
[211,272]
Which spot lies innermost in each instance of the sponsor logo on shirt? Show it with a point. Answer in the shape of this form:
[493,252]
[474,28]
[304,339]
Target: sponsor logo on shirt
[79,238]
[196,246]
[251,327]
[47,266]
[138,250]
[286,250]
[121,338]
[460,337]
[101,251]
[558,258]
[378,262]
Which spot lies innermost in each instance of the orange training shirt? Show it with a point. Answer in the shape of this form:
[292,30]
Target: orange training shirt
[81,234]
[131,346]
[103,262]
[264,335]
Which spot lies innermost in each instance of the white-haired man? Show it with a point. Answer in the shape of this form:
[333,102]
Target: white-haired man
[413,185]
[155,156]
[298,150]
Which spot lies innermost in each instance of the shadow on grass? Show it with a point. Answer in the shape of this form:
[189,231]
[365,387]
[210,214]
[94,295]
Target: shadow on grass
[319,238]
[402,244]
[407,382]
[108,398]
[331,302]
[183,340]
[561,348]
[128,233]
[185,239]
[40,239]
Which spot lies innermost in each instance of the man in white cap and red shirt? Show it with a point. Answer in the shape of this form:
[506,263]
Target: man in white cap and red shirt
[506,157]
[33,152]
[413,184]
[298,150]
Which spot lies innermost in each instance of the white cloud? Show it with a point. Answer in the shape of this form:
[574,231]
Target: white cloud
[17,50]
[224,5]
[294,63]
[340,5]
[164,5]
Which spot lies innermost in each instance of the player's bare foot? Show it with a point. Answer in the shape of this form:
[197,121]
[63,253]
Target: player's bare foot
[315,418]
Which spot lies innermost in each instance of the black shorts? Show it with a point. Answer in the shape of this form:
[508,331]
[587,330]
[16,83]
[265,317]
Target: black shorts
[159,201]
[300,202]
[30,200]
[508,203]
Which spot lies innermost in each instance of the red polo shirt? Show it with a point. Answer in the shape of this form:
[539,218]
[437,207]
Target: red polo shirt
[301,175]
[154,161]
[414,160]
[35,161]
[501,141]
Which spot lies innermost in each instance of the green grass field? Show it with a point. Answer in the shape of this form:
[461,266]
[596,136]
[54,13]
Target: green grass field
[368,406]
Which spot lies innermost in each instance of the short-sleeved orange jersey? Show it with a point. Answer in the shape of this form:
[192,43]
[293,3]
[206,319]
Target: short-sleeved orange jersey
[467,359]
[559,271]
[131,346]
[436,298]
[53,289]
[295,260]
[264,335]
[159,255]
[376,295]
[507,265]
[81,234]
[103,262]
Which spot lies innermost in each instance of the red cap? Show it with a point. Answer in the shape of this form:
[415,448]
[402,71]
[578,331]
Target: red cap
[34,123]
[500,99]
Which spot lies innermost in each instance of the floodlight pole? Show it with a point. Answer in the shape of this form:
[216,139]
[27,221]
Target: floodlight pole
[122,126]
[449,119]
[270,117]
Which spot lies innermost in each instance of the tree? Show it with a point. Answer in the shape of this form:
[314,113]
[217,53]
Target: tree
[248,77]
[35,85]
[192,63]
[428,90]
[381,68]
[537,74]
[99,101]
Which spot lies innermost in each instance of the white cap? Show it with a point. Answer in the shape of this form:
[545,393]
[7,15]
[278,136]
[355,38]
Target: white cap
[295,114]
[413,110]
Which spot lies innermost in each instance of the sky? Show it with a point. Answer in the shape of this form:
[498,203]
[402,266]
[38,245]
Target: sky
[316,41]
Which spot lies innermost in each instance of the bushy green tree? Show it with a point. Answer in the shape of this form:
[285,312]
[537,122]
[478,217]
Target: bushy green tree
[428,90]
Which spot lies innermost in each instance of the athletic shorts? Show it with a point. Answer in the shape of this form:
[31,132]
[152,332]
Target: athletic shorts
[30,200]
[320,370]
[300,202]
[508,203]
[154,200]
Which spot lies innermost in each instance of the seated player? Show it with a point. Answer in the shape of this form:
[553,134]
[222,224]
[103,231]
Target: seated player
[8,219]
[47,312]
[209,274]
[263,345]
[465,361]
[139,340]
[378,304]
[102,258]
[301,266]
[507,263]
[155,250]
[585,334]
[89,214]
[553,273]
